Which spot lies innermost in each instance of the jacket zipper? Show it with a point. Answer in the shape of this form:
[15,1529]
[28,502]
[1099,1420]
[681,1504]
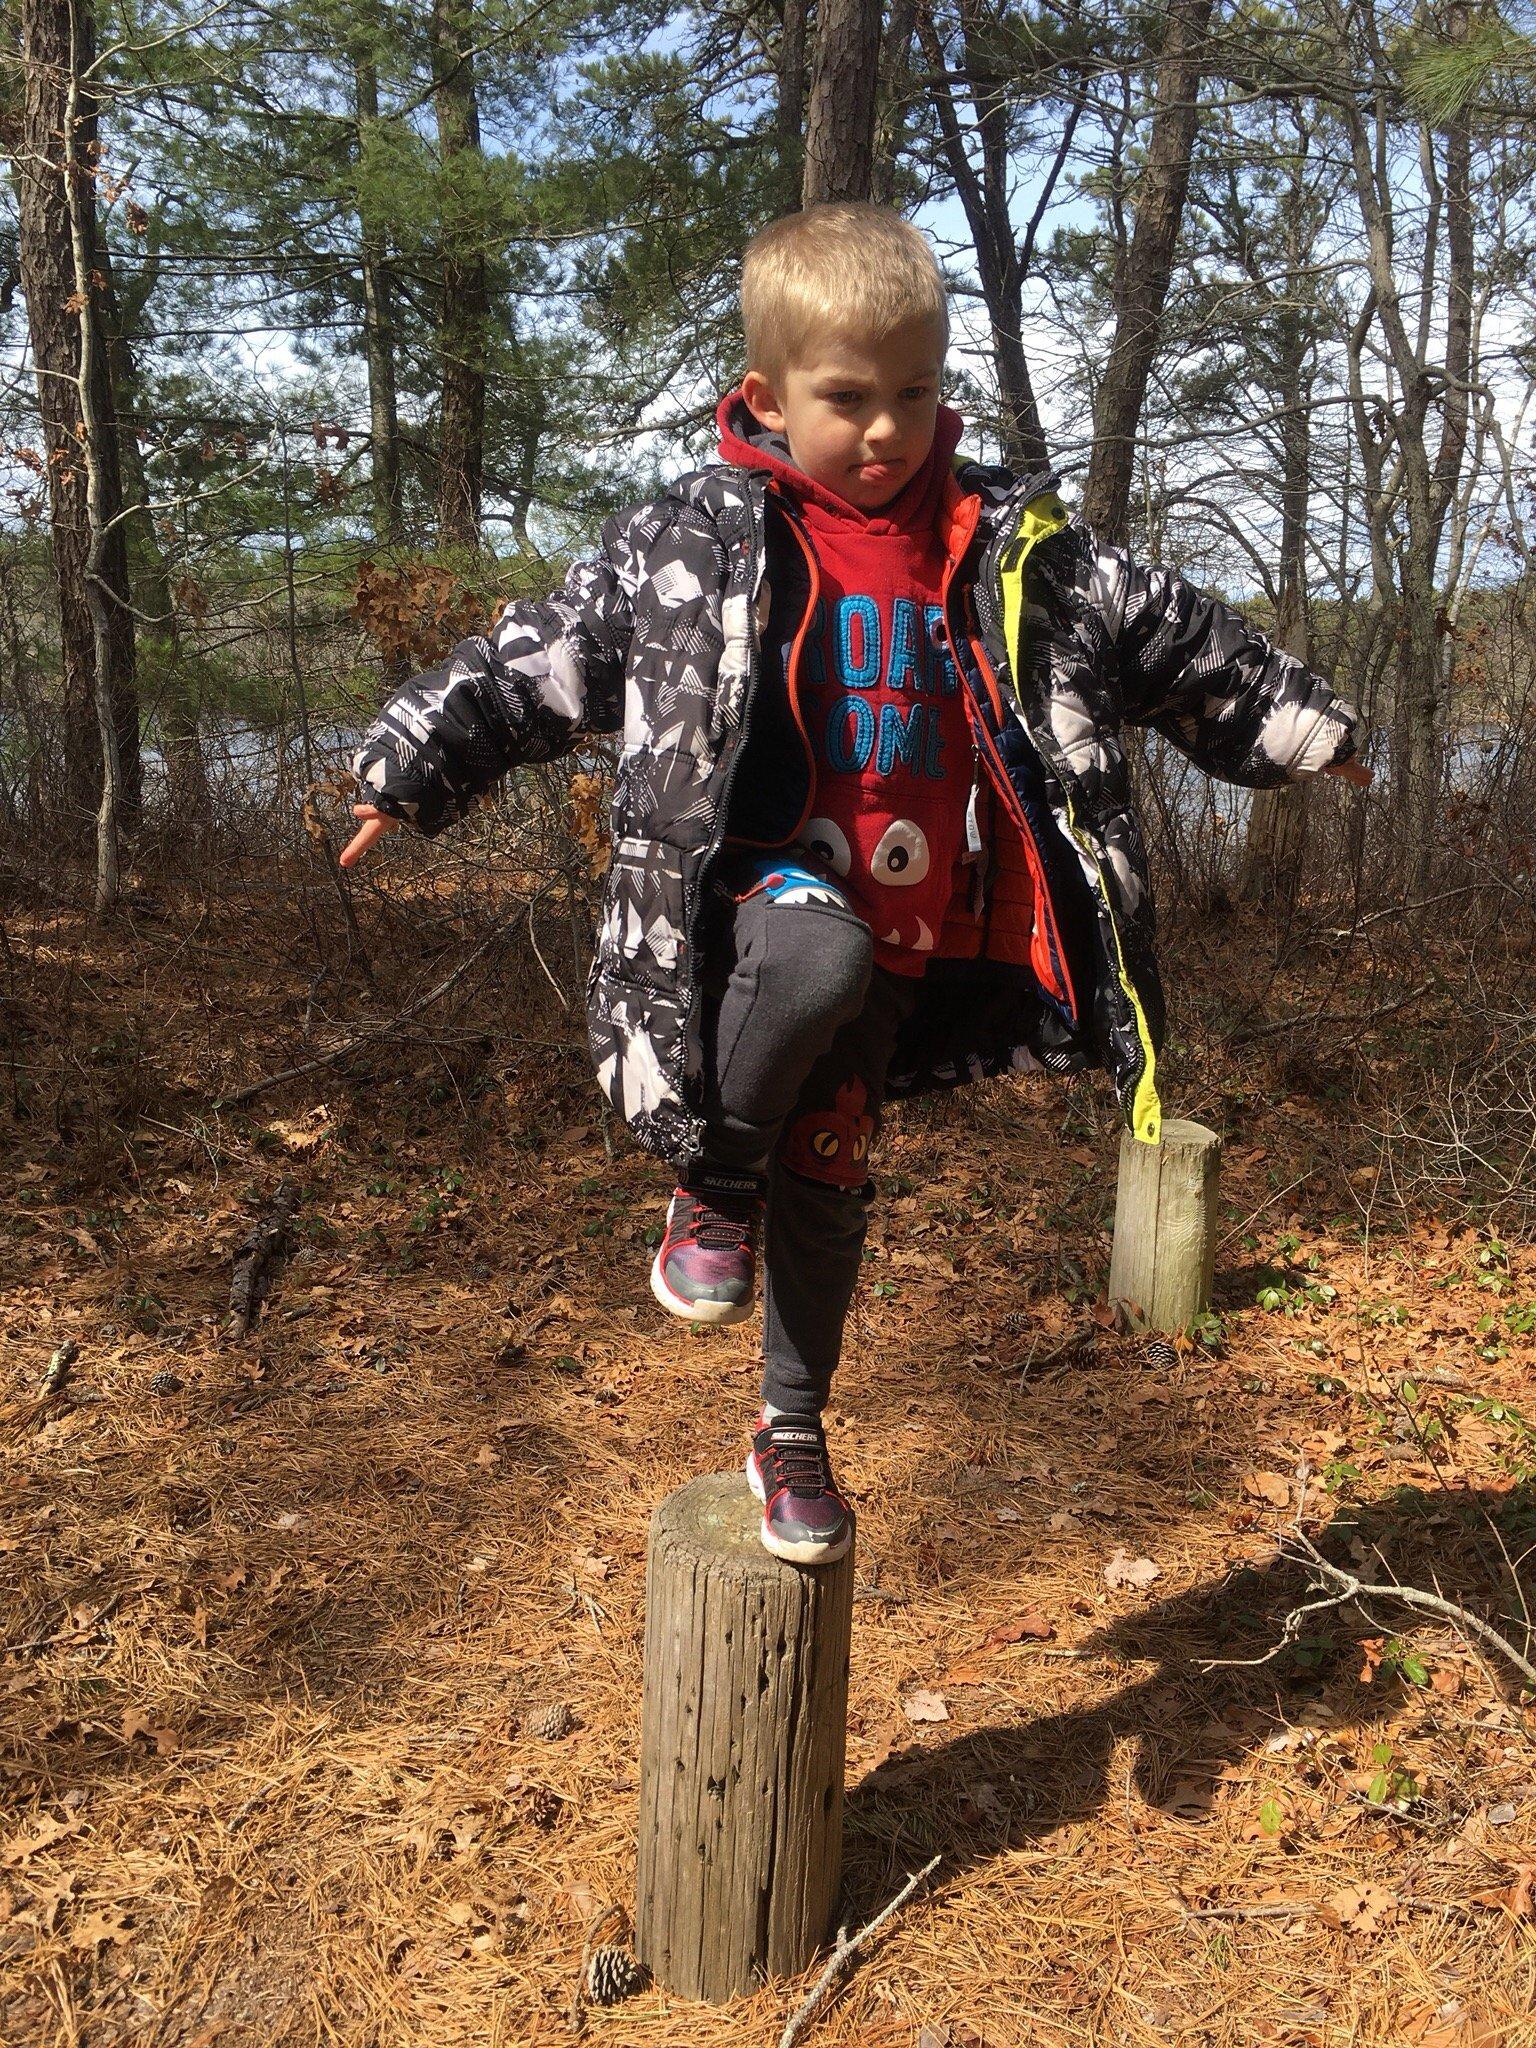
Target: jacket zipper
[1146,1110]
[757,555]
[1055,949]
[792,687]
[1004,788]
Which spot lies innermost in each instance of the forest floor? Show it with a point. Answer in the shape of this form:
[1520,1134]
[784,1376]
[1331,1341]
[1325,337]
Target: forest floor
[277,1612]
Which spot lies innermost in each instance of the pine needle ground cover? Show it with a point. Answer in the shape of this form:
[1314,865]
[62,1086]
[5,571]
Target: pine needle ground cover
[319,1701]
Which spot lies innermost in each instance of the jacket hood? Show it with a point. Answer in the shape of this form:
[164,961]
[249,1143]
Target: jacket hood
[747,443]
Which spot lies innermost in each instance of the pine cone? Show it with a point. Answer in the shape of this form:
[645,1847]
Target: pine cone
[1160,1355]
[612,1974]
[550,1723]
[165,1383]
[544,1807]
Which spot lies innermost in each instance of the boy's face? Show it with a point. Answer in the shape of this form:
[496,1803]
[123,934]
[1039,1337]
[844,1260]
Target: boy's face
[858,415]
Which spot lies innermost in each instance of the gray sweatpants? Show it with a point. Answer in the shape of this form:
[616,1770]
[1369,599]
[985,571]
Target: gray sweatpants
[799,1030]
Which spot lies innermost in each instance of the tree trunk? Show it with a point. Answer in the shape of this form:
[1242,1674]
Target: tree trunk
[378,328]
[1428,652]
[790,122]
[1276,836]
[176,719]
[103,492]
[465,303]
[38,141]
[1428,487]
[840,122]
[892,100]
[1159,205]
[984,196]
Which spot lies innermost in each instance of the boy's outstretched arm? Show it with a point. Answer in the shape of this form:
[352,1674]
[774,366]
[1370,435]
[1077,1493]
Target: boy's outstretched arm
[548,671]
[1201,675]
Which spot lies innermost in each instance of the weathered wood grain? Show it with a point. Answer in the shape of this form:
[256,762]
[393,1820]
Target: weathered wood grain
[743,1727]
[1165,1226]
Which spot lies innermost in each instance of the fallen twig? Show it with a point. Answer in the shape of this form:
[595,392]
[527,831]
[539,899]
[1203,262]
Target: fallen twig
[80,1632]
[371,1032]
[254,1256]
[1395,910]
[847,1945]
[1297,1547]
[1329,1018]
[1276,1909]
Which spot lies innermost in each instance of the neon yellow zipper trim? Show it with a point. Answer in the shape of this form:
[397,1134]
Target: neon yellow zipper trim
[1041,516]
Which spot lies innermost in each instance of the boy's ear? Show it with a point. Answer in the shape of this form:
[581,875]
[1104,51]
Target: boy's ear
[763,401]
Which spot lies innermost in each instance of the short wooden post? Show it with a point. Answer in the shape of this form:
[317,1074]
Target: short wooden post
[743,1729]
[1165,1226]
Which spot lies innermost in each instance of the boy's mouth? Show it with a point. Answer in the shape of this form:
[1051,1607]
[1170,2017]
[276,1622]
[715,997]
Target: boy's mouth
[875,471]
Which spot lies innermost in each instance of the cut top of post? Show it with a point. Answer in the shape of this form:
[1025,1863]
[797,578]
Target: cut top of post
[717,1516]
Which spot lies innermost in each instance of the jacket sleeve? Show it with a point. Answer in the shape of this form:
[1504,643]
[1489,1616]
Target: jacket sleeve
[549,671]
[1198,673]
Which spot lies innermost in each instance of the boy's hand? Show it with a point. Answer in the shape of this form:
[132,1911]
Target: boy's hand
[375,825]
[1352,771]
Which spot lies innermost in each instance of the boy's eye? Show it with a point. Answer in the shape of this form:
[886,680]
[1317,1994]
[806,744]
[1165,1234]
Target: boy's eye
[910,396]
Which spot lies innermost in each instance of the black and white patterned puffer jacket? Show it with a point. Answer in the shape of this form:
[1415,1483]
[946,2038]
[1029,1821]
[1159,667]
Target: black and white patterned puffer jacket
[1061,643]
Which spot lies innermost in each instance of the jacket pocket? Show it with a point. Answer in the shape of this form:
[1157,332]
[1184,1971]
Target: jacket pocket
[642,932]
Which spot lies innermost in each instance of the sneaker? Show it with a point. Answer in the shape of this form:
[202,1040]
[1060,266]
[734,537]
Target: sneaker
[805,1518]
[705,1269]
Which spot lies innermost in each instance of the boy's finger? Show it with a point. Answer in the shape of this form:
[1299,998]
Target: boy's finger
[373,828]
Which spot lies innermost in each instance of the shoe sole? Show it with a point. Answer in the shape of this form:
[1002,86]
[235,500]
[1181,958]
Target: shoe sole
[793,1553]
[715,1313]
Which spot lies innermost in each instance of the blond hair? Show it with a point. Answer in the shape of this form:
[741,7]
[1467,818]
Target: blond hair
[841,268]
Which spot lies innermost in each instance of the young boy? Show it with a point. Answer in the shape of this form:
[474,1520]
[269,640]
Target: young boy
[871,822]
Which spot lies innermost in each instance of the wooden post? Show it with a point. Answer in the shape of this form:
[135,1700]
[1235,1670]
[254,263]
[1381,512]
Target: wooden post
[1165,1226]
[743,1726]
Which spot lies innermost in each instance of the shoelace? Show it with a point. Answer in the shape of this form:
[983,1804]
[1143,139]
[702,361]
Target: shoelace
[801,1468]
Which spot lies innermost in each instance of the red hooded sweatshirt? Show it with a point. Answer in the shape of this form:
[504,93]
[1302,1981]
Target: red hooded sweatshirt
[877,697]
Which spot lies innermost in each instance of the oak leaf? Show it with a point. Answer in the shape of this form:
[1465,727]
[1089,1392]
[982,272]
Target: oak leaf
[43,1835]
[93,1930]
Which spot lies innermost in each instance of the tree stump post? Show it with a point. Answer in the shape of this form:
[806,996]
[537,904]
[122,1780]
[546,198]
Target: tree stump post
[1165,1226]
[743,1732]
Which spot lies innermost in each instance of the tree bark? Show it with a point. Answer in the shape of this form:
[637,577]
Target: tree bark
[790,119]
[840,121]
[39,141]
[892,99]
[1427,486]
[983,195]
[464,318]
[159,629]
[378,327]
[1143,291]
[1276,838]
[103,493]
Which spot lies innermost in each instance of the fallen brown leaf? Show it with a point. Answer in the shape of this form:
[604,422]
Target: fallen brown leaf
[93,1930]
[921,1705]
[1125,1570]
[1268,1486]
[1361,1909]
[44,1834]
